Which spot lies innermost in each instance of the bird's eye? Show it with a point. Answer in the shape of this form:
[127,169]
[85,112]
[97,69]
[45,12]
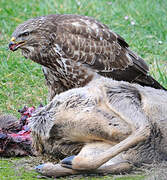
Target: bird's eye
[24,34]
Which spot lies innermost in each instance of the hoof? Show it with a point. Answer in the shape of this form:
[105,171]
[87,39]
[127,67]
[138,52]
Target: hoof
[47,169]
[67,162]
[39,168]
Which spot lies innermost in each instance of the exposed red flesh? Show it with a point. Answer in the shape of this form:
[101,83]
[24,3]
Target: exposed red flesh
[15,46]
[12,47]
[17,143]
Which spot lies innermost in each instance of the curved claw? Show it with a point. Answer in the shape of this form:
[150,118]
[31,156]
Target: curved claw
[67,162]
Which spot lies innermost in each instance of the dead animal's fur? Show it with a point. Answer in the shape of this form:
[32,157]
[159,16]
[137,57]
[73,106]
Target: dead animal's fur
[106,127]
[15,137]
[8,122]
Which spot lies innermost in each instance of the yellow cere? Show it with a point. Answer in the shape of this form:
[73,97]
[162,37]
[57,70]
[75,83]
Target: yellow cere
[13,39]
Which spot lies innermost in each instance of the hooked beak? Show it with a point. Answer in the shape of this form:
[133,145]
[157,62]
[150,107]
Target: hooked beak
[13,45]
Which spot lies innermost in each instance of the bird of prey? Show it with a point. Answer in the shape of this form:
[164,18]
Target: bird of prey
[75,49]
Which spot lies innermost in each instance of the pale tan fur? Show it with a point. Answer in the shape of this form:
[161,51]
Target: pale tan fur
[109,125]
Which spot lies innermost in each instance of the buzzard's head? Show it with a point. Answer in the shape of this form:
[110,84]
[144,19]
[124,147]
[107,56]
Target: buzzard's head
[32,37]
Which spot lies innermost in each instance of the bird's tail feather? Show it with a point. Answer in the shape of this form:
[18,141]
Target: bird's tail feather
[147,80]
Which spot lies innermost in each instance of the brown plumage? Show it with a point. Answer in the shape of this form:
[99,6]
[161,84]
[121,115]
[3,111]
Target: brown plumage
[74,49]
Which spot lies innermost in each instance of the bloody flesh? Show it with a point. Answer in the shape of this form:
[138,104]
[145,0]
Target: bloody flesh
[17,142]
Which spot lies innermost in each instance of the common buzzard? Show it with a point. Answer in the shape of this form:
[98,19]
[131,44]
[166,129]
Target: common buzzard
[75,49]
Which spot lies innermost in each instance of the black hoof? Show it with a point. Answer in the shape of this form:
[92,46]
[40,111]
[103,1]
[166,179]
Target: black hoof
[67,162]
[39,168]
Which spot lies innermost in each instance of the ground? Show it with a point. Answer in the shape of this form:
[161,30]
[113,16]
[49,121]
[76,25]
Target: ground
[141,22]
[22,169]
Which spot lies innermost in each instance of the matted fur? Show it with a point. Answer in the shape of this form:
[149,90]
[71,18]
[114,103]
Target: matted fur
[109,125]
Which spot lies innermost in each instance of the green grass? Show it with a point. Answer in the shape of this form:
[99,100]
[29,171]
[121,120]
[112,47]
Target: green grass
[9,171]
[21,80]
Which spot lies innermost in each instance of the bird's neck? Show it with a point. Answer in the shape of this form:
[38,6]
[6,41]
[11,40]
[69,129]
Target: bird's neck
[70,74]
